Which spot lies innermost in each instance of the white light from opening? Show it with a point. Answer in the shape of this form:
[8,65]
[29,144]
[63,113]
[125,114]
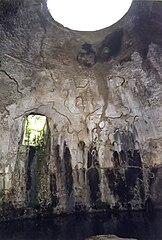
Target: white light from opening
[34,129]
[88,15]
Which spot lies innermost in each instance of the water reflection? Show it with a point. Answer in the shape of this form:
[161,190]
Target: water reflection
[78,227]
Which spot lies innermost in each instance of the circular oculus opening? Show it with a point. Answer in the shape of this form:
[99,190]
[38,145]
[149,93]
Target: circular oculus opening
[88,15]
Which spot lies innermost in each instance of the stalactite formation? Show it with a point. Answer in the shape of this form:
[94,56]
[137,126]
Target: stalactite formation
[100,95]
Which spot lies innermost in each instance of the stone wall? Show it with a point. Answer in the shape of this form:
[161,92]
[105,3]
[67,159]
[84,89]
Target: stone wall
[101,94]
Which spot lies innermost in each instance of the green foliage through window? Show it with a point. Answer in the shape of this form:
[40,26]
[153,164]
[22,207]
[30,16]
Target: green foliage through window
[35,129]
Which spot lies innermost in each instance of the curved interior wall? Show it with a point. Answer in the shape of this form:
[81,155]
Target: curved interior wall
[101,94]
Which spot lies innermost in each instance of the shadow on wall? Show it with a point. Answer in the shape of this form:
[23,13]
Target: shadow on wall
[110,47]
[125,180]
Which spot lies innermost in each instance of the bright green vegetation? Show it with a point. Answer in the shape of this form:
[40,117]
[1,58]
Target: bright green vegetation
[35,129]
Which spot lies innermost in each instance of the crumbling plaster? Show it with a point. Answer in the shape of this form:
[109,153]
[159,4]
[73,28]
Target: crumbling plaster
[98,105]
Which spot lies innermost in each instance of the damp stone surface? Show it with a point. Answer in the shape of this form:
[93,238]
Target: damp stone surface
[101,147]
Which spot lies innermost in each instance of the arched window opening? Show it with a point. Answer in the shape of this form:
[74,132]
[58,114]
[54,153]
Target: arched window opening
[35,130]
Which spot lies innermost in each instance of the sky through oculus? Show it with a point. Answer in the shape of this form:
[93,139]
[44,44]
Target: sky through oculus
[88,15]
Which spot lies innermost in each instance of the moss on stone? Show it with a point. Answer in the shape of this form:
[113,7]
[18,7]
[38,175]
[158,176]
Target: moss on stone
[81,145]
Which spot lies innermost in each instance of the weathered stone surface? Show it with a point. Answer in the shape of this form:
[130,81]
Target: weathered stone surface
[101,94]
[108,237]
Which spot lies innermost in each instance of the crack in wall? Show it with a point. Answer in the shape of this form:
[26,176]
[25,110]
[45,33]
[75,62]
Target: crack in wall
[81,87]
[54,82]
[61,114]
[43,24]
[14,80]
[122,78]
[32,109]
[89,114]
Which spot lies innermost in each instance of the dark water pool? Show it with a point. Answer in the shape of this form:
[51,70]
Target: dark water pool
[78,227]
